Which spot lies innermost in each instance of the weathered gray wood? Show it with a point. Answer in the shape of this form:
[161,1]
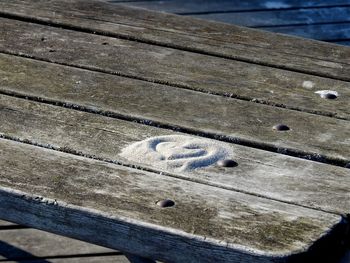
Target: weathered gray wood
[328,32]
[258,172]
[206,6]
[289,18]
[108,205]
[192,71]
[190,34]
[5,223]
[29,243]
[240,121]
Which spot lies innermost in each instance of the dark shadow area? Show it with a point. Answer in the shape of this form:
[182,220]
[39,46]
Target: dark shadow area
[331,248]
[10,252]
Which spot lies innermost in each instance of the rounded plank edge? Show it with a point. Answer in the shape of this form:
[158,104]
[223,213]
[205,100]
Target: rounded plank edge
[106,230]
[42,213]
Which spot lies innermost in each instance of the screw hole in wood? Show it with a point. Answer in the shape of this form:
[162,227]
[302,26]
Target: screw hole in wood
[281,127]
[328,94]
[227,163]
[165,203]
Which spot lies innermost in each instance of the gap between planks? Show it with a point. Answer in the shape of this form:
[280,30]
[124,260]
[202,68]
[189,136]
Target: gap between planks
[148,41]
[180,86]
[116,133]
[220,137]
[150,170]
[274,89]
[139,190]
[195,131]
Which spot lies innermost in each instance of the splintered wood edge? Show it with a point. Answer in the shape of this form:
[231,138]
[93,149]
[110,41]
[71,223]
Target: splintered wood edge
[94,224]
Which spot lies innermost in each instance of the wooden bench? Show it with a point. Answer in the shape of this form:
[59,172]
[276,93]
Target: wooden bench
[171,138]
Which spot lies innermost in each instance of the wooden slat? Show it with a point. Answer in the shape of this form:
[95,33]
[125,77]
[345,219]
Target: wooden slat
[27,244]
[258,172]
[179,68]
[283,18]
[189,34]
[199,6]
[108,205]
[235,120]
[5,223]
[327,32]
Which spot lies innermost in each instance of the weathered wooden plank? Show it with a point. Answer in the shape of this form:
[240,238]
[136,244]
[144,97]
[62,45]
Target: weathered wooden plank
[189,34]
[327,32]
[27,244]
[108,204]
[258,172]
[207,6]
[233,120]
[290,18]
[5,223]
[178,68]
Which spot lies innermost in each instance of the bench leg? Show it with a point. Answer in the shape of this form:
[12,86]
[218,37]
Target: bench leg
[137,259]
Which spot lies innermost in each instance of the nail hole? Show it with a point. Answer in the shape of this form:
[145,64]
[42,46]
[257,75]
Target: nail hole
[52,50]
[327,94]
[281,127]
[43,39]
[227,163]
[166,203]
[105,43]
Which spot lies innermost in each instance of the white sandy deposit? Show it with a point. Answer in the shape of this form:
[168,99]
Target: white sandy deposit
[176,152]
[307,84]
[323,93]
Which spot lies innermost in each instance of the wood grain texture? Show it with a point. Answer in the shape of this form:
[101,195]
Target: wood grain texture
[190,34]
[235,120]
[107,204]
[27,244]
[208,6]
[178,68]
[5,223]
[258,172]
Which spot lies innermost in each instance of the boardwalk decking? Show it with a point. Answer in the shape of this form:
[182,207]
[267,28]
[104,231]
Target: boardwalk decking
[80,81]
